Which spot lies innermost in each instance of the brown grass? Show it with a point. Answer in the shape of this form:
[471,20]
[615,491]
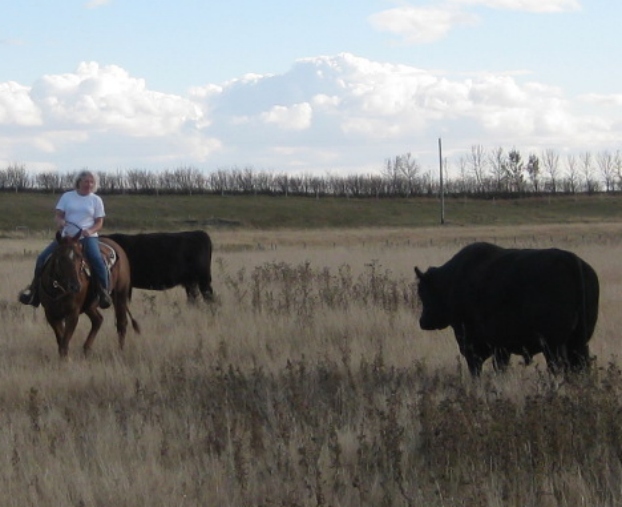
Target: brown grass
[308,383]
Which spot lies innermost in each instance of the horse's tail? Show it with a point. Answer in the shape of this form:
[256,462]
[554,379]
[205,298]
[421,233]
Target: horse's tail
[135,325]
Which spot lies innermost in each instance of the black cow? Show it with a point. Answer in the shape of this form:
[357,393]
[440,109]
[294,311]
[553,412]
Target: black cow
[513,301]
[162,260]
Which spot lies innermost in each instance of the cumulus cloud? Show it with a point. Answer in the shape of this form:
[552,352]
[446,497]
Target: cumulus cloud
[417,25]
[296,117]
[16,106]
[105,112]
[108,97]
[614,99]
[326,113]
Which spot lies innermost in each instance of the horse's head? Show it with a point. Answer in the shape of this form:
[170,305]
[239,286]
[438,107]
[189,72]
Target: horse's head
[67,264]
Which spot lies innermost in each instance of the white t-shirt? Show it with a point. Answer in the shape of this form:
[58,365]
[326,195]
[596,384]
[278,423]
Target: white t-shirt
[81,210]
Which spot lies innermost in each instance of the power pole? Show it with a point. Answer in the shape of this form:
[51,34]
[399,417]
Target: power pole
[440,161]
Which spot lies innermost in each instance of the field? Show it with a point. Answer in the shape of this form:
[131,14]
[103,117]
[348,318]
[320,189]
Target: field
[308,383]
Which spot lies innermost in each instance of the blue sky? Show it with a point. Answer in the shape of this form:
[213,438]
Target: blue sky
[316,87]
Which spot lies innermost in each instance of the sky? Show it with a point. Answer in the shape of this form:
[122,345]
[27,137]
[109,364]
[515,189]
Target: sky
[329,87]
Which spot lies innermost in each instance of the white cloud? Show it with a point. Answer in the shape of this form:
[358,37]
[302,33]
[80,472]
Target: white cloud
[108,98]
[16,106]
[295,117]
[614,99]
[103,111]
[526,5]
[94,4]
[417,25]
[326,112]
[421,25]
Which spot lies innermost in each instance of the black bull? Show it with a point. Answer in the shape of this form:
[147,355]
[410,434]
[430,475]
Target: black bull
[162,260]
[513,301]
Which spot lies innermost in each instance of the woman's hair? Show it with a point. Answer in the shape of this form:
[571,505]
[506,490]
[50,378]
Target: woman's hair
[83,174]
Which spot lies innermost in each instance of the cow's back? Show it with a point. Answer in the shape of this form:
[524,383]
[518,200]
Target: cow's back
[524,298]
[166,259]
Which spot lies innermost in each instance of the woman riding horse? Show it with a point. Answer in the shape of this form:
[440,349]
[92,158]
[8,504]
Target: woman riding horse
[78,210]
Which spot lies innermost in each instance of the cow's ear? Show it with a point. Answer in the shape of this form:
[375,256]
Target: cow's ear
[418,273]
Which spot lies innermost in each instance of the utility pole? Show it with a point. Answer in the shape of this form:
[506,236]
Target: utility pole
[440,161]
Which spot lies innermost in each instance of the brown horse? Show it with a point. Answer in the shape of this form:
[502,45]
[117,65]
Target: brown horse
[66,290]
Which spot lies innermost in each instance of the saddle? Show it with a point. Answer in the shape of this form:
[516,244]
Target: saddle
[109,255]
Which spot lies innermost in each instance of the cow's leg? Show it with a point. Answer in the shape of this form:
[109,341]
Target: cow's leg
[579,357]
[96,322]
[556,358]
[501,359]
[474,362]
[205,286]
[527,357]
[192,291]
[468,350]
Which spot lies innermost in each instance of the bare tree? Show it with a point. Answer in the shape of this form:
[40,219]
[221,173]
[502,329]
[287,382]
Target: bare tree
[498,163]
[606,166]
[550,162]
[572,174]
[136,179]
[587,170]
[401,174]
[514,171]
[478,165]
[533,170]
[617,162]
[409,168]
[49,181]
[220,181]
[465,178]
[282,182]
[16,178]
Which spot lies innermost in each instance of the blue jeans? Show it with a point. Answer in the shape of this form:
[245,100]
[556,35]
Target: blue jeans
[92,254]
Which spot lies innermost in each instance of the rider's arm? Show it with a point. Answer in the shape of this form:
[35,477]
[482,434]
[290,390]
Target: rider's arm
[97,225]
[59,218]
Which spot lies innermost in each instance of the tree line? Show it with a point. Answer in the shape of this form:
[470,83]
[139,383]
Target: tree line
[480,173]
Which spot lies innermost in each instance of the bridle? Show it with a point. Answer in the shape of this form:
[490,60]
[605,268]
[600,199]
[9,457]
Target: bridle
[62,288]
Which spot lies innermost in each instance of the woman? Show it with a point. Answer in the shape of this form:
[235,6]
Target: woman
[78,209]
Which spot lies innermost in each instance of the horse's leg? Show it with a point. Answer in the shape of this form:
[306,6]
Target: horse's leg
[58,326]
[96,319]
[71,321]
[120,301]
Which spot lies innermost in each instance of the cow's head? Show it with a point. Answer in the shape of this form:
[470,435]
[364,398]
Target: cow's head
[434,313]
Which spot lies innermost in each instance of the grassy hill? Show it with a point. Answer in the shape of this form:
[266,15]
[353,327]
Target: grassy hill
[135,213]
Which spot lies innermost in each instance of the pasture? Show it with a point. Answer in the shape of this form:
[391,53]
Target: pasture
[307,383]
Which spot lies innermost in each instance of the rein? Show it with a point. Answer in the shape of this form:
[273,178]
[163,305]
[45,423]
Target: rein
[73,224]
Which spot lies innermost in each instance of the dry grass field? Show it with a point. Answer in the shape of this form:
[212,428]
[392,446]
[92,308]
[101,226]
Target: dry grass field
[308,383]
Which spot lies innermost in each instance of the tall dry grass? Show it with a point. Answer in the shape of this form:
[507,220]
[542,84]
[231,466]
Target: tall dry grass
[308,383]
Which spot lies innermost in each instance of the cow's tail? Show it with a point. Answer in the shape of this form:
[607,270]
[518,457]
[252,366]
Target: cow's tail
[135,325]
